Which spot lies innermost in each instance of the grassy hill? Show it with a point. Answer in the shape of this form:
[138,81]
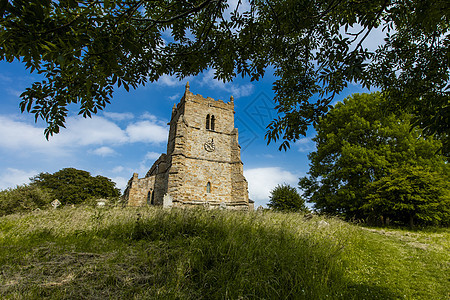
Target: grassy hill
[148,253]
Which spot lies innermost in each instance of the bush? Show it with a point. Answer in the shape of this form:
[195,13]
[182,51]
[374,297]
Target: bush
[23,198]
[411,195]
[72,186]
[286,198]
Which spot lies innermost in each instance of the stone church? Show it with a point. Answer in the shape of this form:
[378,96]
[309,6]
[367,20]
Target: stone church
[203,164]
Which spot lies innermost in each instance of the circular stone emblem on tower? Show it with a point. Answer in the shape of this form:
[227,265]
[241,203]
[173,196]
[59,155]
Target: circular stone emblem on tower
[209,146]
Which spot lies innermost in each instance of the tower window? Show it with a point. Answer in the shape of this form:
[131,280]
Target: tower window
[213,120]
[210,122]
[208,187]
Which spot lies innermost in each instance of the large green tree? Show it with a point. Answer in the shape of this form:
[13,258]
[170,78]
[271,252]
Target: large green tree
[72,186]
[410,194]
[85,48]
[359,143]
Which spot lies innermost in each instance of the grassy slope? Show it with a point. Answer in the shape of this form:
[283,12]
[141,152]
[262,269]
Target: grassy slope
[186,254]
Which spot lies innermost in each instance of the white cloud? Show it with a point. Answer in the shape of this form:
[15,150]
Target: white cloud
[146,163]
[151,156]
[235,89]
[118,169]
[16,134]
[5,78]
[172,81]
[104,151]
[148,116]
[374,39]
[19,135]
[14,92]
[92,131]
[262,180]
[121,182]
[175,97]
[305,145]
[243,6]
[12,177]
[147,131]
[118,116]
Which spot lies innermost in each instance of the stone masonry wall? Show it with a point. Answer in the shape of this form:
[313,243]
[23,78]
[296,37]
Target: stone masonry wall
[195,157]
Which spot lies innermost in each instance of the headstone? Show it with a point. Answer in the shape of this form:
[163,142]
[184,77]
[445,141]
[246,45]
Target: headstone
[223,205]
[167,201]
[323,223]
[207,205]
[55,203]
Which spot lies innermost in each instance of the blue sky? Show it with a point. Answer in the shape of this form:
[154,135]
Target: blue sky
[132,132]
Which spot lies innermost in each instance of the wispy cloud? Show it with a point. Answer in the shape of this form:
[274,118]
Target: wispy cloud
[14,92]
[151,156]
[80,132]
[146,131]
[305,145]
[121,182]
[118,116]
[118,169]
[5,78]
[104,151]
[236,90]
[175,97]
[172,81]
[11,177]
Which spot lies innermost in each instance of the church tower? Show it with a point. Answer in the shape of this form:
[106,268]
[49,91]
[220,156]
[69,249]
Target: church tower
[203,162]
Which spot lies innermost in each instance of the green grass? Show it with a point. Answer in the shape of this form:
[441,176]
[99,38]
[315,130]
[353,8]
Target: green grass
[86,253]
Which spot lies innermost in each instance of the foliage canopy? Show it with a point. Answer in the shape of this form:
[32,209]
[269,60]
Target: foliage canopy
[286,198]
[411,193]
[72,186]
[24,198]
[85,48]
[368,162]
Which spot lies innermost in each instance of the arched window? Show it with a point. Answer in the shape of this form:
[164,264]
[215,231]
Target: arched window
[208,187]
[207,122]
[213,121]
[149,197]
[153,199]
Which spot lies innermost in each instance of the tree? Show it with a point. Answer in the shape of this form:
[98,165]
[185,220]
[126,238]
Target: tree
[359,143]
[411,194]
[86,48]
[286,198]
[72,186]
[24,198]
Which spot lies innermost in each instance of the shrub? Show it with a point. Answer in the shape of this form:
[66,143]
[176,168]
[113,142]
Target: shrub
[286,198]
[23,198]
[72,186]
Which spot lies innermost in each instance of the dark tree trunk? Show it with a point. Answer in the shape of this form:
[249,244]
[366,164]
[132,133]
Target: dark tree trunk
[411,221]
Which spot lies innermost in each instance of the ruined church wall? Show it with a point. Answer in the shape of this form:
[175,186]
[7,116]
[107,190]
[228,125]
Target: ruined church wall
[138,190]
